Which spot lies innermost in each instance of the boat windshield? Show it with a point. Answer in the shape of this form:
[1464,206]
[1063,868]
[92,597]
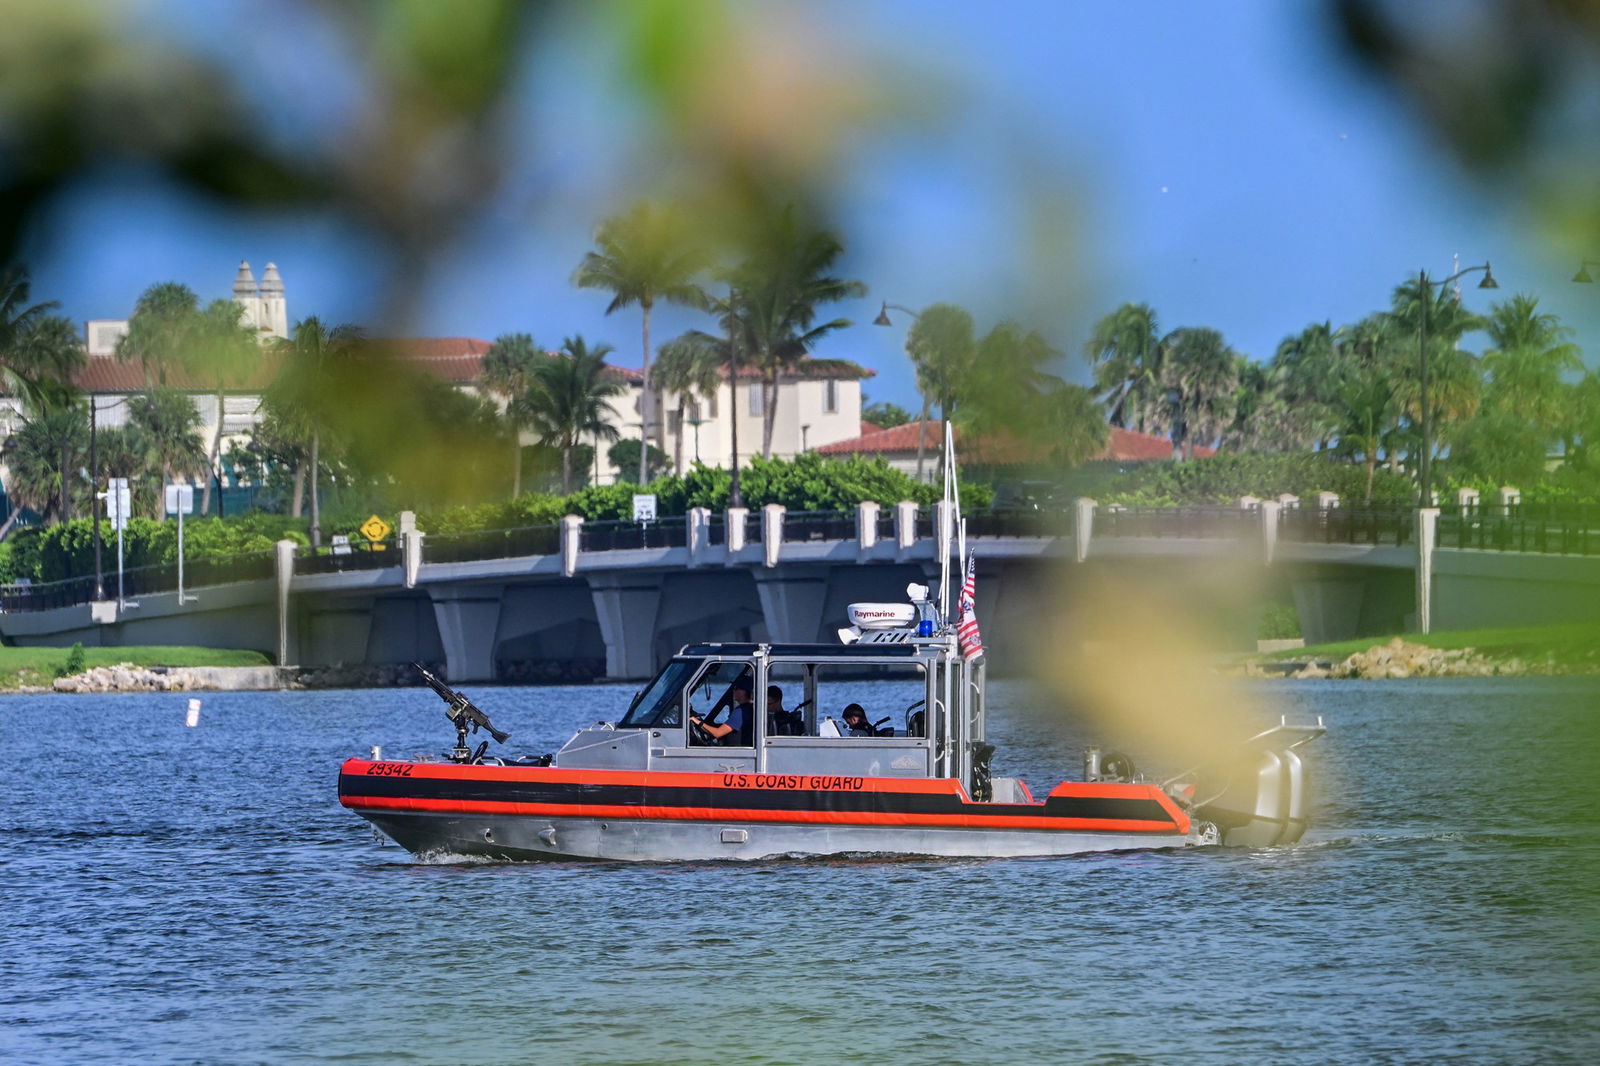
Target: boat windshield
[658,705]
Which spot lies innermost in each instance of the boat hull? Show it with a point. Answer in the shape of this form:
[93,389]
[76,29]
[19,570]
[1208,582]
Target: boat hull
[520,813]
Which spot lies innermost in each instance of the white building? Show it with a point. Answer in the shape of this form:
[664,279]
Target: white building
[818,403]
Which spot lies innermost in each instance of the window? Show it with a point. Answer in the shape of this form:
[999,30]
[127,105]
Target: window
[890,696]
[758,405]
[830,397]
[658,705]
[715,699]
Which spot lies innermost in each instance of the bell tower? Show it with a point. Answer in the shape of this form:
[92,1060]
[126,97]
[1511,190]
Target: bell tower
[274,321]
[246,295]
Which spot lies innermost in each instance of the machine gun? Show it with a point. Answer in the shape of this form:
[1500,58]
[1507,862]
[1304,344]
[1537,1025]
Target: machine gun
[464,716]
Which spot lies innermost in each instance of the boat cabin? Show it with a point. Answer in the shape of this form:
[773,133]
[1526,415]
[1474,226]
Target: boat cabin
[792,709]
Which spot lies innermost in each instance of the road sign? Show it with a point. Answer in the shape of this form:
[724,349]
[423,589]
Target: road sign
[119,503]
[180,499]
[376,529]
[341,544]
[644,508]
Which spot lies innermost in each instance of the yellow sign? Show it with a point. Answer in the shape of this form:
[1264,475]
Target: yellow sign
[375,529]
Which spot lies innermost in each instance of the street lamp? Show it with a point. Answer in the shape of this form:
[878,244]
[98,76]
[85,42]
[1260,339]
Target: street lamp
[1425,286]
[922,423]
[1583,271]
[696,422]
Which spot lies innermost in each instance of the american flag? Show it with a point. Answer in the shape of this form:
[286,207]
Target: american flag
[967,623]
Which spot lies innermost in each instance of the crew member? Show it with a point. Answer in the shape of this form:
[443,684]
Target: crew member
[855,720]
[735,729]
[781,723]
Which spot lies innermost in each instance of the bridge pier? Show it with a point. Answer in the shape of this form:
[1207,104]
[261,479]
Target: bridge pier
[467,616]
[336,632]
[792,602]
[626,606]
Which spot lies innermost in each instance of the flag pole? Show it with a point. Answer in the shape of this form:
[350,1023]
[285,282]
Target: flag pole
[946,527]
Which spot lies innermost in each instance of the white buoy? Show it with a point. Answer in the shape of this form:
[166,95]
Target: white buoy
[377,753]
[193,718]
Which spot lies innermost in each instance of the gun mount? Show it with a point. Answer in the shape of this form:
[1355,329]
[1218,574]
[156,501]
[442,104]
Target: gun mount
[464,716]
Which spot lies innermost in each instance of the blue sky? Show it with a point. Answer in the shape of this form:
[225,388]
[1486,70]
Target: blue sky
[1222,162]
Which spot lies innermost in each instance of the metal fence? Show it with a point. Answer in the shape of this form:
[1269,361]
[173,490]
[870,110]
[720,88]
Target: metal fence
[1381,525]
[337,559]
[619,535]
[491,544]
[1210,523]
[138,581]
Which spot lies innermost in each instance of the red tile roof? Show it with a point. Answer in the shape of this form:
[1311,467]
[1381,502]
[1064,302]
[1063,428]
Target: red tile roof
[457,360]
[1122,445]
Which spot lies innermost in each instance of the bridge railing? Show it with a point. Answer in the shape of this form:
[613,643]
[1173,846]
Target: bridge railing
[491,544]
[616,535]
[1377,525]
[819,525]
[1561,529]
[138,581]
[357,555]
[1212,523]
[1021,522]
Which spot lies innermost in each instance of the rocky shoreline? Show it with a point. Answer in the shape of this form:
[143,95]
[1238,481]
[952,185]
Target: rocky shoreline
[1399,659]
[126,677]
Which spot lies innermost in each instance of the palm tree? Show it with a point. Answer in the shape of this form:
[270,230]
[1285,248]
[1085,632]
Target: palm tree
[1200,373]
[726,350]
[224,354]
[38,367]
[1529,352]
[780,286]
[1368,410]
[1305,368]
[169,429]
[645,256]
[508,368]
[1126,354]
[304,400]
[38,351]
[42,456]
[162,331]
[568,397]
[691,368]
[1071,423]
[942,348]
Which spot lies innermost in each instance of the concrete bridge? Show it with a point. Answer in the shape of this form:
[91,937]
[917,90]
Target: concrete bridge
[611,598]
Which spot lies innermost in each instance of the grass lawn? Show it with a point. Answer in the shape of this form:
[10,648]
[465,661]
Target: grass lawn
[40,666]
[1570,643]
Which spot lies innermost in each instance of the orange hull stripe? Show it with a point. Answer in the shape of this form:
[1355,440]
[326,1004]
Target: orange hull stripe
[704,814]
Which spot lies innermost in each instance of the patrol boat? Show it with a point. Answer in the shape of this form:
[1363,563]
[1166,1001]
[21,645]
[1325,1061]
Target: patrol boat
[793,779]
[871,746]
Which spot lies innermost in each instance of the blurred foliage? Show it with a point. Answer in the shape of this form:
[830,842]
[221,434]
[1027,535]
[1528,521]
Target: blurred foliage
[808,482]
[884,415]
[1222,479]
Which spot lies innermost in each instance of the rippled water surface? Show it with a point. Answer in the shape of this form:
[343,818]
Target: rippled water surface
[198,895]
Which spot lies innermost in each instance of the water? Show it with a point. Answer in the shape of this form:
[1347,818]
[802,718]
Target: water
[197,895]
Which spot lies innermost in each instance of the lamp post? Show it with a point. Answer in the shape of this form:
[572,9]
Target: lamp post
[1582,275]
[922,424]
[735,496]
[1425,292]
[696,422]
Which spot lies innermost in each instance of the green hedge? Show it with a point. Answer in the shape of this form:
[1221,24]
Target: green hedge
[806,483]
[1224,478]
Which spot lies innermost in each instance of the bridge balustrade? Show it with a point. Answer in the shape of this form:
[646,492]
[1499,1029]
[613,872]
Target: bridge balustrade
[139,581]
[1379,525]
[1555,529]
[363,555]
[617,535]
[1215,523]
[819,525]
[1021,522]
[48,595]
[491,544]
